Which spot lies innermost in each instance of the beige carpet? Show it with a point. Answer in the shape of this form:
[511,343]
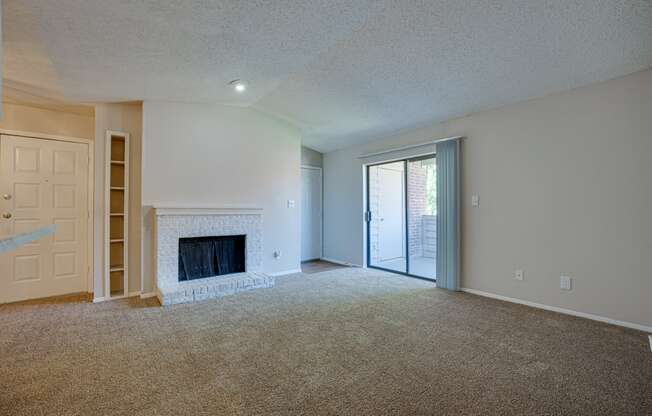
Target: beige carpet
[342,342]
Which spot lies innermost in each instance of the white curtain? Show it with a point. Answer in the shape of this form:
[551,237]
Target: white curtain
[448,214]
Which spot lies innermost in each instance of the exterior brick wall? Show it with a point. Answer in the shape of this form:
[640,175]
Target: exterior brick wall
[417,204]
[429,240]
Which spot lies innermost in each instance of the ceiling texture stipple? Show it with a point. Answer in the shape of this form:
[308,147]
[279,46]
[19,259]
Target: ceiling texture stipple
[345,72]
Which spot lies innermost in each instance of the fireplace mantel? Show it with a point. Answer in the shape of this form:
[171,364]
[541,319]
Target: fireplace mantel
[207,210]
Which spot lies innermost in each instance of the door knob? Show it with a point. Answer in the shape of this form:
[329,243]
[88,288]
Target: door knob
[6,197]
[6,215]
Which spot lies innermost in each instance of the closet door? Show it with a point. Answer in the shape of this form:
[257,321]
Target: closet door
[311,213]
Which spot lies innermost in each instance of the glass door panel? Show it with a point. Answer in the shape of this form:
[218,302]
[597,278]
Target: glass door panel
[387,234]
[421,216]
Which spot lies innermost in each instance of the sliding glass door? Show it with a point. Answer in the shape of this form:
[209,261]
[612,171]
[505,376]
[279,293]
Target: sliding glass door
[401,216]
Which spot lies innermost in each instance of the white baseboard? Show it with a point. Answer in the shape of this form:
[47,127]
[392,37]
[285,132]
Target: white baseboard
[104,299]
[284,272]
[340,262]
[147,295]
[631,325]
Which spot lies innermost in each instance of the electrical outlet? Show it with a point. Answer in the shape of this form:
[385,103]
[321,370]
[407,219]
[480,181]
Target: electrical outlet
[475,200]
[277,254]
[519,275]
[565,282]
[291,203]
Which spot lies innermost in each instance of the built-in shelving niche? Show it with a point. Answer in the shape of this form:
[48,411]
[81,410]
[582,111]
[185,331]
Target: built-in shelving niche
[117,214]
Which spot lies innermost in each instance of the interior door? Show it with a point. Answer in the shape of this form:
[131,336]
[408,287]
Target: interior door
[311,214]
[43,182]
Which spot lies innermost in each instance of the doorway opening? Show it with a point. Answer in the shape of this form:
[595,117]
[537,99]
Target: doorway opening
[401,216]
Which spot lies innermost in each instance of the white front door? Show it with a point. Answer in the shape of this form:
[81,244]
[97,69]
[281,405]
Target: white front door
[311,214]
[391,208]
[43,182]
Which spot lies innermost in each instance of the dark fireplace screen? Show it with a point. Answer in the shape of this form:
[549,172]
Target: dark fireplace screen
[201,257]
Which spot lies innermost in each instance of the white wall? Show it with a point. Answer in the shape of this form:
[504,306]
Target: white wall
[565,185]
[221,155]
[59,121]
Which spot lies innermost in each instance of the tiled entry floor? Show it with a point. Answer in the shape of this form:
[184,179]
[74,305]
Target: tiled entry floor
[316,266]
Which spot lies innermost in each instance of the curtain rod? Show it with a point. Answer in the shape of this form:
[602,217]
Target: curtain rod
[408,147]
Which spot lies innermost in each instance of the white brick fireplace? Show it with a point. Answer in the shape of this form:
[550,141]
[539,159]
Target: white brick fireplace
[172,223]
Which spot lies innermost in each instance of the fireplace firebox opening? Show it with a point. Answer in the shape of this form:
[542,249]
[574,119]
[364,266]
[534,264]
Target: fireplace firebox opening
[201,257]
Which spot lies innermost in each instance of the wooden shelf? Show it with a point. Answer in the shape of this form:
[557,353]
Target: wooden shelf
[117,224]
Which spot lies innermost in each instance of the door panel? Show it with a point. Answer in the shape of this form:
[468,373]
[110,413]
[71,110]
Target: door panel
[27,195]
[26,159]
[27,267]
[47,181]
[64,162]
[64,196]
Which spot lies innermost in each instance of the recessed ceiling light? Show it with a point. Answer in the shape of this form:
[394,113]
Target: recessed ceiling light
[238,85]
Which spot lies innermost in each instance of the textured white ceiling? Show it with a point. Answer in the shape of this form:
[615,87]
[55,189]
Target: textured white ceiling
[343,71]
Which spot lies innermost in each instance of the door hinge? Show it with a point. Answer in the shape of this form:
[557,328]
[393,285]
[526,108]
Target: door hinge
[367,216]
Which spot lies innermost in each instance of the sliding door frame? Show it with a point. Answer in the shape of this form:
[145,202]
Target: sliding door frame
[367,215]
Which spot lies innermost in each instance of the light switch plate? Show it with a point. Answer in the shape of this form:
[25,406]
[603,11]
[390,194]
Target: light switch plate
[475,200]
[565,282]
[519,274]
[290,203]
